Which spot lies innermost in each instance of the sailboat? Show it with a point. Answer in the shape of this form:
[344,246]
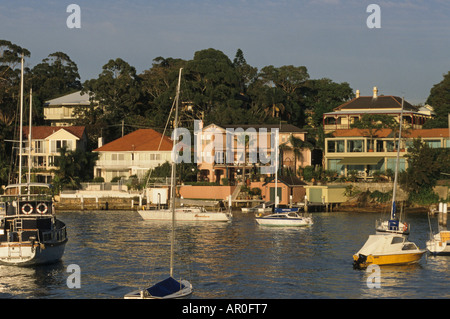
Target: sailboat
[168,288]
[30,234]
[439,244]
[282,216]
[389,246]
[394,225]
[184,213]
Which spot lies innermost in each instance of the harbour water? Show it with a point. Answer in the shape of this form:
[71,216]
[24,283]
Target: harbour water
[118,252]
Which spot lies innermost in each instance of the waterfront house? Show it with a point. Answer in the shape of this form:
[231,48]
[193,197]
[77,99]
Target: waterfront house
[219,164]
[290,190]
[132,154]
[46,141]
[60,111]
[346,114]
[347,150]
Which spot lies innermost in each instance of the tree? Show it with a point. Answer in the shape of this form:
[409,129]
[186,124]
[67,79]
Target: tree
[212,85]
[439,99]
[119,94]
[425,166]
[323,95]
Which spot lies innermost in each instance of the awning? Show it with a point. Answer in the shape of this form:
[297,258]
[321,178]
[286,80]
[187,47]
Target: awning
[360,161]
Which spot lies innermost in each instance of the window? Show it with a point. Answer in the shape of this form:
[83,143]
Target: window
[336,146]
[56,145]
[39,147]
[355,145]
[433,143]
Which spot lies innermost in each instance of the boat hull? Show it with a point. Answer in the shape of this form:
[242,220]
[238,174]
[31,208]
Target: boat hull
[302,222]
[439,244]
[184,293]
[392,259]
[28,254]
[185,215]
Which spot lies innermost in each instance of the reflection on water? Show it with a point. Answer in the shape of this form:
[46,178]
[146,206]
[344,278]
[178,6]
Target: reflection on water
[118,252]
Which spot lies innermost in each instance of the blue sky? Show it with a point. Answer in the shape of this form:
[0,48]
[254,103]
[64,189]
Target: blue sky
[405,57]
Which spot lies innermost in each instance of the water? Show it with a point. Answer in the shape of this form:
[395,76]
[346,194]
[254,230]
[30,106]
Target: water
[118,252]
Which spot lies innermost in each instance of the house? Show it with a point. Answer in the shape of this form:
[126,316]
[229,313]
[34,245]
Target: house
[348,150]
[290,190]
[46,141]
[346,114]
[133,154]
[222,149]
[59,111]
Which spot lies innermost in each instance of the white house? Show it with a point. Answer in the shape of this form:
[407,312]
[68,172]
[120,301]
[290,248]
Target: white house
[46,141]
[59,111]
[133,154]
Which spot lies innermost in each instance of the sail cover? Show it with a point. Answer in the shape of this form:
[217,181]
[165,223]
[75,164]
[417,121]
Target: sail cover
[164,288]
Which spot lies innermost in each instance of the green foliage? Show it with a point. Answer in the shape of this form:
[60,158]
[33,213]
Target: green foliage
[439,99]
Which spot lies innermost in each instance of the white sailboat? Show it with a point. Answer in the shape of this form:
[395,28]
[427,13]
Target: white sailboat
[282,216]
[184,213]
[439,244]
[394,225]
[168,288]
[389,245]
[30,234]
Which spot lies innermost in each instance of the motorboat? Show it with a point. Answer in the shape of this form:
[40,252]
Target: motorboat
[30,233]
[284,217]
[387,249]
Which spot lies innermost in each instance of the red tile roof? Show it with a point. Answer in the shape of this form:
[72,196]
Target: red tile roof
[140,140]
[42,132]
[424,133]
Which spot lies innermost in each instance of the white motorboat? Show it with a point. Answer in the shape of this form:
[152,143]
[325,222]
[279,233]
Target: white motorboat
[285,217]
[387,249]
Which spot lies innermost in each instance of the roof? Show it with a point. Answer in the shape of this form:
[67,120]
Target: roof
[288,180]
[283,128]
[70,99]
[42,132]
[424,133]
[140,140]
[380,102]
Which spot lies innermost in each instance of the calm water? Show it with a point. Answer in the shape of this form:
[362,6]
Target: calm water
[118,252]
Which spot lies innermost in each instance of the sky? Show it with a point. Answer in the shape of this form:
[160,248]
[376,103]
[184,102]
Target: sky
[405,56]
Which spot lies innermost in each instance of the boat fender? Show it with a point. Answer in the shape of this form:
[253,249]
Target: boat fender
[41,211]
[42,246]
[27,212]
[406,227]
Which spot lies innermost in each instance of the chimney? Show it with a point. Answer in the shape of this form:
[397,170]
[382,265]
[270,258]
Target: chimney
[100,142]
[357,93]
[375,92]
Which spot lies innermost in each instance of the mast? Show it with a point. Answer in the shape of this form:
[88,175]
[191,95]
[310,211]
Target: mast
[21,126]
[276,168]
[173,183]
[394,191]
[29,143]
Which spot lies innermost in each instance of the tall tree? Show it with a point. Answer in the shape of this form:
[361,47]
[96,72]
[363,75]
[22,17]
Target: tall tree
[323,95]
[439,99]
[118,91]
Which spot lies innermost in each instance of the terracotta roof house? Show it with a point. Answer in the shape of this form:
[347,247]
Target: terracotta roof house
[46,142]
[348,150]
[219,161]
[133,154]
[345,115]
